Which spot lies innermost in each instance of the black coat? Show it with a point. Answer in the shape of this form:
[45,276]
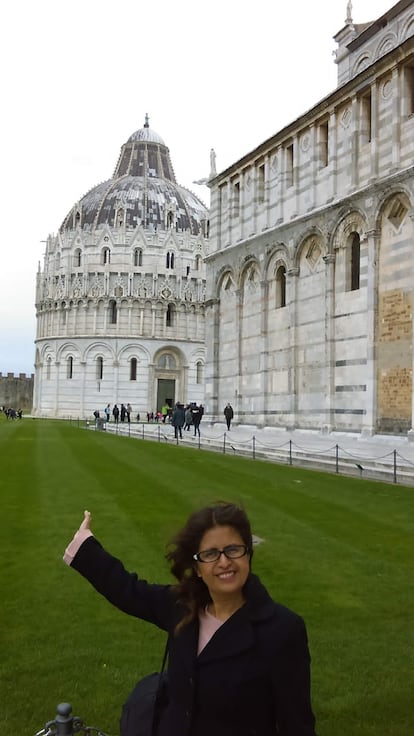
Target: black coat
[251,679]
[178,417]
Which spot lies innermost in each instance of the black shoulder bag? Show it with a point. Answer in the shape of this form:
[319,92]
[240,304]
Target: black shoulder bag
[142,710]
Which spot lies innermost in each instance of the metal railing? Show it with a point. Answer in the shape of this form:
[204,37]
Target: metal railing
[390,467]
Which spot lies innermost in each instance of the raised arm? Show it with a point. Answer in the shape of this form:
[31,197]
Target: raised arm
[136,597]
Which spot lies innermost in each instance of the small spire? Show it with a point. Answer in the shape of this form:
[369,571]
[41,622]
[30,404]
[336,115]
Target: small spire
[146,124]
[349,20]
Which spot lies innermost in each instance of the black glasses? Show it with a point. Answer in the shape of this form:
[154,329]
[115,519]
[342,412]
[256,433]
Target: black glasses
[232,552]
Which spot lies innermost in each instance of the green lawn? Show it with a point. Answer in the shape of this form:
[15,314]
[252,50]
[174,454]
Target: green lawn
[337,550]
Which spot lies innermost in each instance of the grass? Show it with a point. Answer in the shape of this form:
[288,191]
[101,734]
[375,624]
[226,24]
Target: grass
[337,550]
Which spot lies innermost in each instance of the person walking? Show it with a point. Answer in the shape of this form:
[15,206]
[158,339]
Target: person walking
[107,411]
[196,418]
[164,411]
[188,418]
[229,414]
[238,661]
[128,412]
[178,419]
[115,413]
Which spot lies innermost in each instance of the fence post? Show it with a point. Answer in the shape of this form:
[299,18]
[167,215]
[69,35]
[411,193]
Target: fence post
[254,447]
[224,444]
[337,458]
[290,452]
[395,466]
[159,433]
[143,430]
[129,429]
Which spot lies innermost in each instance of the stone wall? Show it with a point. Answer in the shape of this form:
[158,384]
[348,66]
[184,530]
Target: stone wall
[16,391]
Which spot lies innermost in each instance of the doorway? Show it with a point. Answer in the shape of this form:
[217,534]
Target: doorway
[165,392]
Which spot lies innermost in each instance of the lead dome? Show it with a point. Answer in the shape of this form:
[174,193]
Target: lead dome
[143,191]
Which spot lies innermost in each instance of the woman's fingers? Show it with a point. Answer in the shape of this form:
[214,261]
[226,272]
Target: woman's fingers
[86,523]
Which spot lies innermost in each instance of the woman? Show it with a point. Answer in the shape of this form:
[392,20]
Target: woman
[239,663]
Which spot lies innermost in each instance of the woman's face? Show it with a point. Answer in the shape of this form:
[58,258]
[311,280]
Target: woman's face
[223,577]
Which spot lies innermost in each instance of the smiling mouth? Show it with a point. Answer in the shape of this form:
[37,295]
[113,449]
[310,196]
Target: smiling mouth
[225,575]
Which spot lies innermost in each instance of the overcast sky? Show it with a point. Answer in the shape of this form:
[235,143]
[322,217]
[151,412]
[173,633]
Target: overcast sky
[79,76]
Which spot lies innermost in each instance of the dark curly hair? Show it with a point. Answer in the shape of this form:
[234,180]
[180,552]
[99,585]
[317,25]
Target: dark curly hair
[191,590]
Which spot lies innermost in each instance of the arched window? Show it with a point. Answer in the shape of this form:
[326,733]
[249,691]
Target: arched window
[280,287]
[199,372]
[106,255]
[120,216]
[48,368]
[169,320]
[77,259]
[112,312]
[197,262]
[69,367]
[169,262]
[170,219]
[353,259]
[57,261]
[137,257]
[133,370]
[167,362]
[99,368]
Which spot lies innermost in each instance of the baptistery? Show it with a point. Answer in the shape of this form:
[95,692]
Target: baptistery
[120,295]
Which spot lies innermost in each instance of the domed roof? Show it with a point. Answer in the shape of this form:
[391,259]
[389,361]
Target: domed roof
[146,134]
[143,191]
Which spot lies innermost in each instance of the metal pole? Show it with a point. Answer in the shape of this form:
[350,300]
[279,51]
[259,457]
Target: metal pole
[290,452]
[254,447]
[337,458]
[395,466]
[224,444]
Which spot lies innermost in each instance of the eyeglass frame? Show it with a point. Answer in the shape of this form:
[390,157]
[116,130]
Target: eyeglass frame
[220,552]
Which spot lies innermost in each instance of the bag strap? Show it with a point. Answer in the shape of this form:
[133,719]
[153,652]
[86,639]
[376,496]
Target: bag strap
[164,659]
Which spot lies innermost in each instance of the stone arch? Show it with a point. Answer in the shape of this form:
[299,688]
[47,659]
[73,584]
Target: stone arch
[353,221]
[312,240]
[392,193]
[173,350]
[249,273]
[97,348]
[68,348]
[225,280]
[278,252]
[134,350]
[386,44]
[361,63]
[407,29]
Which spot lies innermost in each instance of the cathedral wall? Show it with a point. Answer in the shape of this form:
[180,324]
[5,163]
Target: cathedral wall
[329,199]
[395,322]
